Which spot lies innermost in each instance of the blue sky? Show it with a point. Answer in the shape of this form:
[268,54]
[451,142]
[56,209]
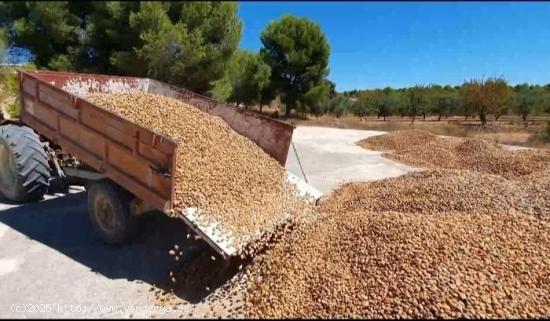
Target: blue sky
[400,44]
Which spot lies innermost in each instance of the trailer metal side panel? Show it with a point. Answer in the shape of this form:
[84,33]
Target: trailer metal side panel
[141,161]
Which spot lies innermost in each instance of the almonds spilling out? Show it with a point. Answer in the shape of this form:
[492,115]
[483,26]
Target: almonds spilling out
[226,175]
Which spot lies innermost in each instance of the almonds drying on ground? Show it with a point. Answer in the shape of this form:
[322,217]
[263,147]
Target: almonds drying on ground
[406,265]
[468,239]
[441,190]
[466,242]
[423,149]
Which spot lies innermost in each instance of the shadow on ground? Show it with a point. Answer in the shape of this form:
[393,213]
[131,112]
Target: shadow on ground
[62,224]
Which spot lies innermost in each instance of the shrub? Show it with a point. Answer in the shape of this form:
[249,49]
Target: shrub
[541,135]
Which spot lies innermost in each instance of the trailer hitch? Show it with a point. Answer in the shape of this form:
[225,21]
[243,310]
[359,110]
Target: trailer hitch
[52,155]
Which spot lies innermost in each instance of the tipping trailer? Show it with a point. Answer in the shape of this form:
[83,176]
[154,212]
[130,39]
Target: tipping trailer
[61,139]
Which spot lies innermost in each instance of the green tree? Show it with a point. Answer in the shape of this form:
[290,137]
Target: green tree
[496,94]
[443,101]
[267,95]
[317,99]
[245,81]
[455,102]
[417,101]
[110,41]
[379,103]
[332,88]
[298,53]
[222,88]
[182,43]
[363,105]
[525,100]
[83,36]
[401,107]
[191,48]
[471,95]
[339,105]
[50,30]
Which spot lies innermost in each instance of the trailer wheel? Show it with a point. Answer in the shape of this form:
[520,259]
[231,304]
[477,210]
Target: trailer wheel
[24,168]
[109,212]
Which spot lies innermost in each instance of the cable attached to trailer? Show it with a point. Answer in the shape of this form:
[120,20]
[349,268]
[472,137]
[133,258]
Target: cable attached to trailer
[299,163]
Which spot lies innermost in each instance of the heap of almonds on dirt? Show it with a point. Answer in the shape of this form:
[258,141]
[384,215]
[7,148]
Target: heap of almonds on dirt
[442,190]
[224,174]
[406,265]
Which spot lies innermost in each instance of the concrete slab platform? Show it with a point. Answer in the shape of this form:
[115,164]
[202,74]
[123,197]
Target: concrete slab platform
[330,156]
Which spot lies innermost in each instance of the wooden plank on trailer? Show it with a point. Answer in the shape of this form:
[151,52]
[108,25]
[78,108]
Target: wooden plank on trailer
[29,86]
[58,100]
[157,141]
[46,115]
[91,142]
[134,167]
[153,154]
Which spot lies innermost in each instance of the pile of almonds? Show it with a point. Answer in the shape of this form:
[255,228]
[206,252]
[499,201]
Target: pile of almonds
[396,140]
[464,242]
[469,238]
[227,176]
[441,190]
[423,149]
[362,264]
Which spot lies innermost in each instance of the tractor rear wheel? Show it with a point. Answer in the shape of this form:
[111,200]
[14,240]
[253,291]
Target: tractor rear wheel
[24,167]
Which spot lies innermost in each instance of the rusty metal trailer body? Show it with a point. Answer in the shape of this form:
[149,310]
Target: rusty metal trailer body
[138,159]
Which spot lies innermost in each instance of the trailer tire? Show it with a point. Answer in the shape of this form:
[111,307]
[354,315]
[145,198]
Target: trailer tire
[24,167]
[109,212]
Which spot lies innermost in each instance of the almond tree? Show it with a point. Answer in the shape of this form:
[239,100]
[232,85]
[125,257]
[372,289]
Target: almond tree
[525,101]
[417,101]
[485,97]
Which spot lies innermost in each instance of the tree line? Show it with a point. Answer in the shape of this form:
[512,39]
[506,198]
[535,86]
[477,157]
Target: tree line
[196,45]
[188,44]
[474,98]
